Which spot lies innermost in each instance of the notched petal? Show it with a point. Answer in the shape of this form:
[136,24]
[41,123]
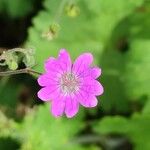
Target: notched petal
[44,94]
[82,63]
[87,99]
[57,107]
[65,59]
[72,107]
[95,72]
[47,80]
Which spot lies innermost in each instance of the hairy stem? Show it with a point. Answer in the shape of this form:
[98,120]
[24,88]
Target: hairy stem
[88,139]
[107,142]
[20,71]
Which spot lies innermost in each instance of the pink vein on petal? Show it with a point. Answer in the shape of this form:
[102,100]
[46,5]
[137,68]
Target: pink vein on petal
[82,62]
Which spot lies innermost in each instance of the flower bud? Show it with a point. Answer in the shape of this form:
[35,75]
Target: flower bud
[72,10]
[52,32]
[12,65]
[29,59]
[11,60]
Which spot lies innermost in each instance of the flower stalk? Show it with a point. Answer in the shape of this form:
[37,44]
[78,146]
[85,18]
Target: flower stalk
[20,71]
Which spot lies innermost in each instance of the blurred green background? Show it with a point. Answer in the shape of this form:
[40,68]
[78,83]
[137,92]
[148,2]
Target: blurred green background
[117,33]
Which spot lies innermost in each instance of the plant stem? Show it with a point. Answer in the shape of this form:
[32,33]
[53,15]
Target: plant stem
[105,141]
[86,139]
[20,71]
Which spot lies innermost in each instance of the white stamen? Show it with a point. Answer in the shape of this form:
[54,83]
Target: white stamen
[69,83]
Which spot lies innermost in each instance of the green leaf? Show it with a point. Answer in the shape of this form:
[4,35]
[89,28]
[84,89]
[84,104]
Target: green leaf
[9,91]
[91,35]
[146,109]
[136,74]
[42,131]
[137,129]
[125,62]
[1,5]
[8,143]
[8,127]
[114,99]
[16,8]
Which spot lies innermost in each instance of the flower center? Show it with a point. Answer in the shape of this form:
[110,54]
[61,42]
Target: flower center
[69,83]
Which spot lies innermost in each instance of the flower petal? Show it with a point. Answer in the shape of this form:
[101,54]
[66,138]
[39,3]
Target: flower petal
[92,86]
[94,73]
[65,59]
[53,65]
[48,93]
[57,107]
[47,80]
[72,106]
[82,62]
[87,99]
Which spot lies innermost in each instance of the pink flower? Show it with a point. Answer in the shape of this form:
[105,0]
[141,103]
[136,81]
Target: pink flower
[67,85]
